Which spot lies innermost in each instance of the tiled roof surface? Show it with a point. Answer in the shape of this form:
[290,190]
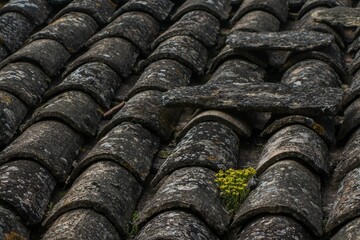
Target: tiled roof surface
[115,116]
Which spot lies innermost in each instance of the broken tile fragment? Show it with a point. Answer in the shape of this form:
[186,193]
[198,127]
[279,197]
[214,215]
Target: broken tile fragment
[162,75]
[208,144]
[186,50]
[189,188]
[117,53]
[263,97]
[285,40]
[274,227]
[145,108]
[75,108]
[175,225]
[52,144]
[27,187]
[159,9]
[25,80]
[219,9]
[47,53]
[139,28]
[278,8]
[200,25]
[106,188]
[85,224]
[129,145]
[296,142]
[72,30]
[287,187]
[95,78]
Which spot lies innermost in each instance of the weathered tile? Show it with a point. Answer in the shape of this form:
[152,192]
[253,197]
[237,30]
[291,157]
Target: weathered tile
[233,121]
[72,30]
[27,187]
[296,142]
[229,53]
[351,120]
[129,145]
[354,46]
[3,52]
[321,125]
[257,21]
[287,187]
[346,205]
[159,9]
[145,108]
[354,91]
[186,50]
[162,75]
[274,227]
[52,144]
[312,4]
[84,224]
[99,10]
[238,70]
[25,81]
[75,108]
[10,224]
[263,97]
[311,72]
[355,64]
[105,187]
[49,54]
[209,144]
[331,55]
[139,28]
[339,16]
[36,10]
[350,157]
[14,29]
[219,9]
[175,225]
[117,53]
[12,113]
[200,25]
[284,41]
[190,188]
[350,231]
[278,8]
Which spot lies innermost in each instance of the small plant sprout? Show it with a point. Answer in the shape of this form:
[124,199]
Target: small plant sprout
[234,187]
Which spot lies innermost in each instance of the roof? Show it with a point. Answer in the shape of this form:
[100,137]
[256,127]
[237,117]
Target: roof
[116,115]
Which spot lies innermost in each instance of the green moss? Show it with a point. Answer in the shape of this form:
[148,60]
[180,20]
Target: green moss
[133,228]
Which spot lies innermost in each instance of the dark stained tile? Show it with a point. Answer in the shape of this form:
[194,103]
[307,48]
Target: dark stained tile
[84,224]
[52,144]
[117,53]
[159,9]
[299,143]
[72,30]
[189,188]
[26,186]
[288,188]
[257,21]
[15,28]
[354,91]
[75,108]
[36,10]
[186,50]
[47,53]
[95,78]
[219,9]
[145,108]
[105,187]
[25,80]
[350,231]
[200,25]
[351,119]
[10,224]
[99,10]
[129,145]
[175,225]
[12,113]
[208,144]
[139,28]
[162,75]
